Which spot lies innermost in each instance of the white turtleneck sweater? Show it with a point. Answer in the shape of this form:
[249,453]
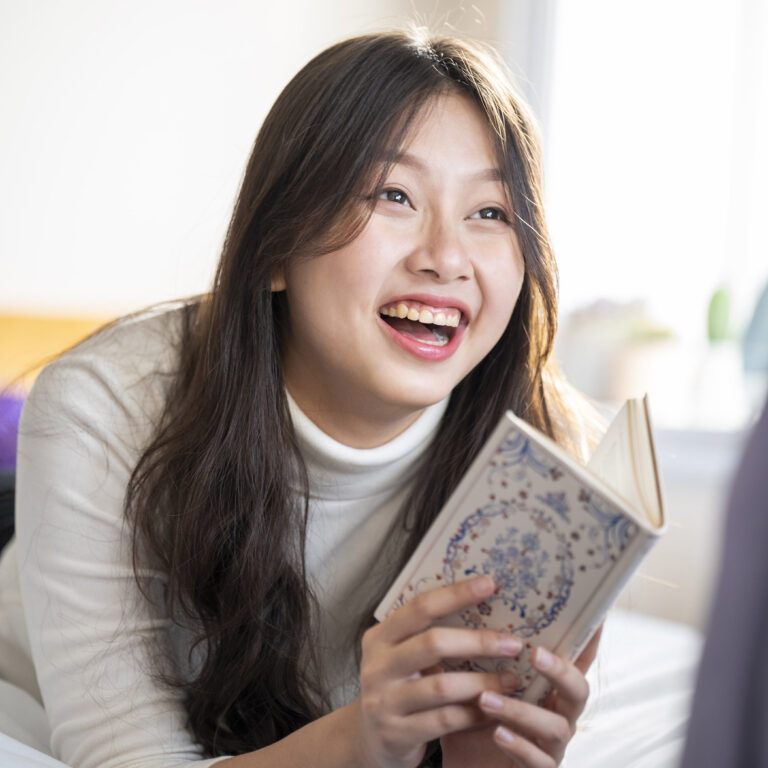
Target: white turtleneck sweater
[71,620]
[354,498]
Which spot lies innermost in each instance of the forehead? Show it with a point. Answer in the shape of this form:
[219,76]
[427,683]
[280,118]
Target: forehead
[451,132]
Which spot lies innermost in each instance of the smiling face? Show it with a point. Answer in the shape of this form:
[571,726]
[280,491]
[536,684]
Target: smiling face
[390,323]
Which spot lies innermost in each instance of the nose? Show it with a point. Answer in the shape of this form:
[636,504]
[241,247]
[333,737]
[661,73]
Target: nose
[441,254]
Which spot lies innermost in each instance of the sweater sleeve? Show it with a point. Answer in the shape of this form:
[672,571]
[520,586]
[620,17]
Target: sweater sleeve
[91,634]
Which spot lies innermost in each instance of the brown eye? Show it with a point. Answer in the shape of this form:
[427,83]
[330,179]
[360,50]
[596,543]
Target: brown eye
[490,213]
[395,196]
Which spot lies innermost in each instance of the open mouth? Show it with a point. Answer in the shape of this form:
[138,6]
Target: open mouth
[426,325]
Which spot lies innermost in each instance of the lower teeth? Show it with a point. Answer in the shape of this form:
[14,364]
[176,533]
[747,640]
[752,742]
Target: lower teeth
[441,337]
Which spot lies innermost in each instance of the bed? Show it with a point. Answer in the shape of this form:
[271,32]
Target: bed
[641,685]
[641,682]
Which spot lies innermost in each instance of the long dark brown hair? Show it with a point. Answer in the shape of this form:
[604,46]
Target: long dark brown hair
[213,497]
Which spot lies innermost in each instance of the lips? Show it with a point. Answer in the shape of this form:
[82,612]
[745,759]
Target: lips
[428,327]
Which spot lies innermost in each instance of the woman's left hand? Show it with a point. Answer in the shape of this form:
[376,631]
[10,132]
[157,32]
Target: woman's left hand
[527,735]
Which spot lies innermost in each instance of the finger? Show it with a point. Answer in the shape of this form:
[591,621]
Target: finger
[434,645]
[418,614]
[448,688]
[547,729]
[587,656]
[567,680]
[435,723]
[525,753]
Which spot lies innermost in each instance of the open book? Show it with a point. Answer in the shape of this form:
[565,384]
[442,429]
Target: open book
[559,539]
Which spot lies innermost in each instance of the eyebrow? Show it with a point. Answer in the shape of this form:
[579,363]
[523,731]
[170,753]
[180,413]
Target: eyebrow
[405,158]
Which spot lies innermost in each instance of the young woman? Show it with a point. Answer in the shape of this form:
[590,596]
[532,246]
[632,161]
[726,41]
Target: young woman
[213,496]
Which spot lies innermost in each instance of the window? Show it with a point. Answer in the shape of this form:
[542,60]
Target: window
[657,184]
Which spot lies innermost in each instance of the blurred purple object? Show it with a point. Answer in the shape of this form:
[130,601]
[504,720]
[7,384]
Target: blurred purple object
[10,411]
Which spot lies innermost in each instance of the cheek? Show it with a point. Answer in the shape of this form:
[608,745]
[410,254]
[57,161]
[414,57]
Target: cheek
[502,287]
[517,286]
[322,282]
[356,271]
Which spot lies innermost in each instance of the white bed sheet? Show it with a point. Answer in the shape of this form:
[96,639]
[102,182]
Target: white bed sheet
[642,683]
[15,754]
[642,687]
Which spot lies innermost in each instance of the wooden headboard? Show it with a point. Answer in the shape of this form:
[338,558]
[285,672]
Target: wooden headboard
[27,342]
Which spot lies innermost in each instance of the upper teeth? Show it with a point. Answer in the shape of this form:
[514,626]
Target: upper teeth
[449,317]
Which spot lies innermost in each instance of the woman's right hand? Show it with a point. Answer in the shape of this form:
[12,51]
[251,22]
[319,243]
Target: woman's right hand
[405,701]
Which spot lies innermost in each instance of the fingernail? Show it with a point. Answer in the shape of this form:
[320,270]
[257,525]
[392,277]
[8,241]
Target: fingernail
[542,659]
[508,681]
[503,735]
[483,585]
[491,700]
[510,644]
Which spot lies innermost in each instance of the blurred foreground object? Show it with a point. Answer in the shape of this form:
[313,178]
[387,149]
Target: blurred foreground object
[756,352]
[729,724]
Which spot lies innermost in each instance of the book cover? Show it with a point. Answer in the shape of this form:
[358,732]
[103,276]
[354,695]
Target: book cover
[558,541]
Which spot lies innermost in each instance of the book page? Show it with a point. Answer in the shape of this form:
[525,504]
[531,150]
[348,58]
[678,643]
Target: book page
[625,461]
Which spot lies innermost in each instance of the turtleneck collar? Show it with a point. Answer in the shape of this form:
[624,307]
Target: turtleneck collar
[337,471]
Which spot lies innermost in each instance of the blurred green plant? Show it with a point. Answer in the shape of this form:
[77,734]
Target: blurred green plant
[719,316]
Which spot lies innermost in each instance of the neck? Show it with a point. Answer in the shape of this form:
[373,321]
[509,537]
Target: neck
[356,427]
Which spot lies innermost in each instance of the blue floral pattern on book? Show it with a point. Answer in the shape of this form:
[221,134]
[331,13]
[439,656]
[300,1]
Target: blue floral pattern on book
[527,566]
[535,526]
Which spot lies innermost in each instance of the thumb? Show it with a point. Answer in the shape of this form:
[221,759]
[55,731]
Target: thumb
[587,656]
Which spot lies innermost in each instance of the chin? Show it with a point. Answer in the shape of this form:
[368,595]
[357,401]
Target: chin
[417,400]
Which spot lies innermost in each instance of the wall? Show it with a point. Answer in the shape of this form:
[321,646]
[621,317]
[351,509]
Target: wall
[125,127]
